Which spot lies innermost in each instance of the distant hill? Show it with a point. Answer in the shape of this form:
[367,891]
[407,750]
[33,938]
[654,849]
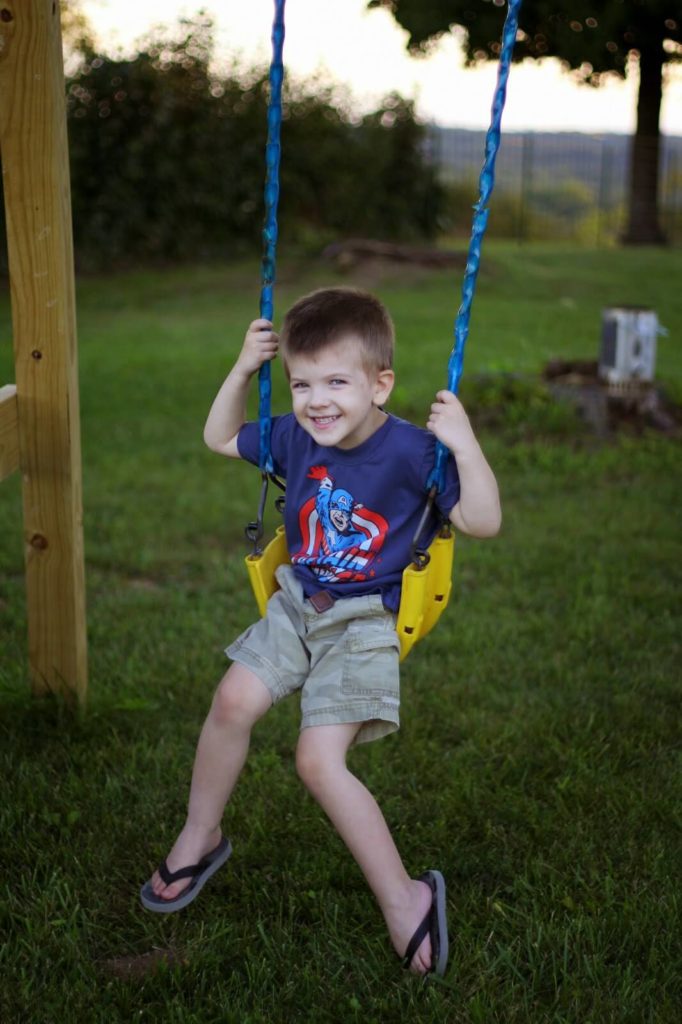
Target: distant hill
[600,161]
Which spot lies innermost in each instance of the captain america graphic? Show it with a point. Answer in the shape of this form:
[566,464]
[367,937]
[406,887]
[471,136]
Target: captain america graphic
[340,538]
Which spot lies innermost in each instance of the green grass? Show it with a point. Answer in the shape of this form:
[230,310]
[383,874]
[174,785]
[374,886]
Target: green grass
[538,761]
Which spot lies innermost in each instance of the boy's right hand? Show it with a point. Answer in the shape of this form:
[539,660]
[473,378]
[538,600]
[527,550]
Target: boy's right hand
[260,345]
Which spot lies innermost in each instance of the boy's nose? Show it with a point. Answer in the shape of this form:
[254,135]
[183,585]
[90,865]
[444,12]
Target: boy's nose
[317,399]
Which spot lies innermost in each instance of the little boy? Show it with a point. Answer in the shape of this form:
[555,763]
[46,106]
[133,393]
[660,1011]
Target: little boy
[355,493]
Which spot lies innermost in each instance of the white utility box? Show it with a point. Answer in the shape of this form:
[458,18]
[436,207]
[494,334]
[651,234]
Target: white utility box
[628,345]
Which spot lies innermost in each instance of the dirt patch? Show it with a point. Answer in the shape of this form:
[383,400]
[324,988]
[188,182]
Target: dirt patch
[144,583]
[354,251]
[633,405]
[142,964]
[372,263]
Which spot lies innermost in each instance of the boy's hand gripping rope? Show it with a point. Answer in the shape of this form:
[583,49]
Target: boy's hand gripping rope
[486,184]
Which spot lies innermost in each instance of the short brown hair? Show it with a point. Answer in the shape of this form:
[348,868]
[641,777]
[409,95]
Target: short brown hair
[325,316]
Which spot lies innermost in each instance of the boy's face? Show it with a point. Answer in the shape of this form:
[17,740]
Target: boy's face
[334,397]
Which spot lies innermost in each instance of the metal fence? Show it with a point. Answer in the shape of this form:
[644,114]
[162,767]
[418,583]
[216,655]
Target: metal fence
[564,185]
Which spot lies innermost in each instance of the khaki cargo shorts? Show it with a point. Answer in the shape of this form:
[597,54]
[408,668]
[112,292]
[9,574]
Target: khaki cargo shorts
[344,659]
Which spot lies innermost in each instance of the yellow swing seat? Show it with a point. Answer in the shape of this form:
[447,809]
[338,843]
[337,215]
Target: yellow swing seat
[425,591]
[262,567]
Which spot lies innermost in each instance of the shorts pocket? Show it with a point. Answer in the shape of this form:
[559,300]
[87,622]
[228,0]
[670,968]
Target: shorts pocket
[370,667]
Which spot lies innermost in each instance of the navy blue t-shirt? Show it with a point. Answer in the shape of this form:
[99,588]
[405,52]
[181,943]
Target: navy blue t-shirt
[351,514]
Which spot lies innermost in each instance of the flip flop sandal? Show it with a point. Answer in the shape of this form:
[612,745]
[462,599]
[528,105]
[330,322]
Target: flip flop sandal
[199,873]
[434,924]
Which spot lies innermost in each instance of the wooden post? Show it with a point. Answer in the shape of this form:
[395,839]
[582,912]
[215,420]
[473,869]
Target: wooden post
[35,170]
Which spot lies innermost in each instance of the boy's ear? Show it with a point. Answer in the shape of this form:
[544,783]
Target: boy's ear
[383,386]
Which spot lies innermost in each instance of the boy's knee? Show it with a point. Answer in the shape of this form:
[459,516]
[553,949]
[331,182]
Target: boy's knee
[239,700]
[307,762]
[312,761]
[228,703]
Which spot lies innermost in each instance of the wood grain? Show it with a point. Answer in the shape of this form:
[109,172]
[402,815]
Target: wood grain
[36,185]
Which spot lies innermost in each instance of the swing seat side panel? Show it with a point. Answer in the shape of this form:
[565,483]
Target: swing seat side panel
[439,582]
[425,594]
[262,568]
[411,611]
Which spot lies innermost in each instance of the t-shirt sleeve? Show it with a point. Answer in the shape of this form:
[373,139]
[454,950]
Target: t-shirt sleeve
[449,496]
[248,442]
[422,445]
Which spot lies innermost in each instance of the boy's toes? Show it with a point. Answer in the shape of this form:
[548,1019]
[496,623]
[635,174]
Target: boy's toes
[421,961]
[158,884]
[417,966]
[167,892]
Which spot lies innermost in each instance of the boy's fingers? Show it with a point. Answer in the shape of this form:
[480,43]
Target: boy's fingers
[262,338]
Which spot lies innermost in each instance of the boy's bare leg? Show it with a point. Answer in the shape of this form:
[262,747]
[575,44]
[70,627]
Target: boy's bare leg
[239,701]
[321,764]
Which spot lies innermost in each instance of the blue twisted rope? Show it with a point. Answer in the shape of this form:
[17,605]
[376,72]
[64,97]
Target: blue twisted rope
[480,222]
[272,154]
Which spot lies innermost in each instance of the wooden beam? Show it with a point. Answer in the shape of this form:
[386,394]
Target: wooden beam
[35,170]
[9,431]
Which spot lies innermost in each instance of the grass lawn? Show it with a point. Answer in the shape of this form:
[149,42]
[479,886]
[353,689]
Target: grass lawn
[538,761]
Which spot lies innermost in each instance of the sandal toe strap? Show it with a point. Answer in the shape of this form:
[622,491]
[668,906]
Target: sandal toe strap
[174,876]
[417,939]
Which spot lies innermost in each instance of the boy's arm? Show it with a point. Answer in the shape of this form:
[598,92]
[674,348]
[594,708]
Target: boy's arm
[228,412]
[478,510]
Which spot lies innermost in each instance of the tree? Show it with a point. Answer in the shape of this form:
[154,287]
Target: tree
[77,38]
[167,156]
[592,38]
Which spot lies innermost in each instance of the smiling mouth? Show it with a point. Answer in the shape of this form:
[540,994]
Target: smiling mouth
[324,421]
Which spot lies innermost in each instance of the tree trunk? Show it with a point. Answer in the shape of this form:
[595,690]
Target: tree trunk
[643,225]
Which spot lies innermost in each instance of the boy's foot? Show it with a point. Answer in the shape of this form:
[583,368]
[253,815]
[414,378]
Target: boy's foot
[404,920]
[434,924]
[196,855]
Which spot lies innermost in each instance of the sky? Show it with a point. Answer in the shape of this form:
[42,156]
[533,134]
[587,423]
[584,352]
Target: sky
[365,50]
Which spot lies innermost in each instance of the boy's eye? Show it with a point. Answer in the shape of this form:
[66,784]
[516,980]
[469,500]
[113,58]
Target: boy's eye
[337,380]
[298,385]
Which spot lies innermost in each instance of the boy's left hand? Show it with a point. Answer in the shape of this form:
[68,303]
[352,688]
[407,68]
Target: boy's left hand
[449,422]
